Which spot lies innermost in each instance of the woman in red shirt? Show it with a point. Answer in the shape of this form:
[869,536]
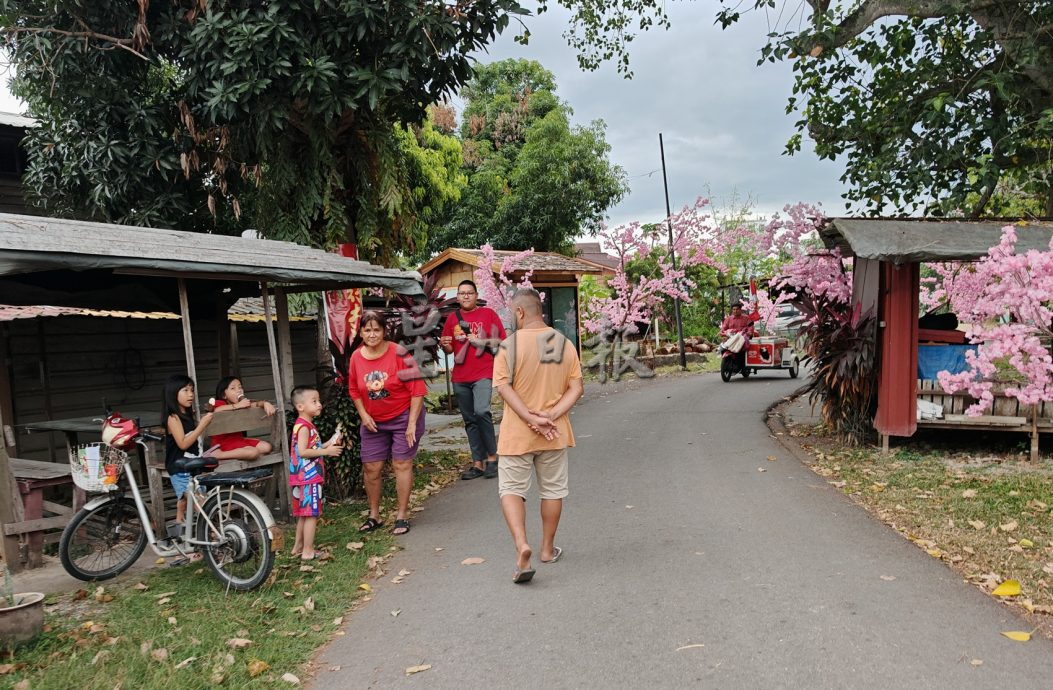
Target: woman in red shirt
[388,390]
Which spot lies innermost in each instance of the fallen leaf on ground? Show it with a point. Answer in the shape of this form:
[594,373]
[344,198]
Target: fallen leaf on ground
[473,561]
[354,545]
[365,586]
[21,685]
[1009,588]
[145,647]
[186,662]
[164,594]
[80,594]
[1027,543]
[6,668]
[159,561]
[141,586]
[172,620]
[1009,526]
[888,578]
[306,568]
[417,669]
[159,654]
[977,662]
[334,668]
[290,678]
[308,604]
[397,580]
[256,667]
[761,469]
[416,509]
[977,524]
[689,646]
[771,458]
[395,613]
[404,572]
[439,548]
[339,620]
[238,643]
[1018,636]
[969,493]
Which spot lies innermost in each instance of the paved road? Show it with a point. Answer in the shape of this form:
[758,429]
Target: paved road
[674,539]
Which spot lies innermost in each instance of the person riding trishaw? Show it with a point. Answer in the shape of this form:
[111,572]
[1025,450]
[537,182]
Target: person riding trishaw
[738,322]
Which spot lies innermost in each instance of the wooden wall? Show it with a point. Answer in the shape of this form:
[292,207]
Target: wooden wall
[63,367]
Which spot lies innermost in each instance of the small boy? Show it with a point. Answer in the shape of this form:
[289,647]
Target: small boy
[307,469]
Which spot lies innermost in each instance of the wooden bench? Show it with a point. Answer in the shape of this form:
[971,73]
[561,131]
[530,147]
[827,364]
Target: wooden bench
[1006,414]
[234,421]
[32,478]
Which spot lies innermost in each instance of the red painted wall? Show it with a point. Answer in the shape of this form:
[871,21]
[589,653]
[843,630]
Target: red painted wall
[898,350]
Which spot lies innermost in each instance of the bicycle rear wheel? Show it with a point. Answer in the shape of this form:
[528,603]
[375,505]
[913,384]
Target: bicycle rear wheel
[102,542]
[244,558]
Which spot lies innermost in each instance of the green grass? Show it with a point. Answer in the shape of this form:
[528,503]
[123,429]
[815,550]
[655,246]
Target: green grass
[94,644]
[987,516]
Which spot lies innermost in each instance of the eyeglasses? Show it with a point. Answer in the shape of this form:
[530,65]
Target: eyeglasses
[466,294]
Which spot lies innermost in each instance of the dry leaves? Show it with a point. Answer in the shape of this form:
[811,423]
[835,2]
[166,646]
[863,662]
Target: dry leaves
[475,560]
[1009,526]
[395,613]
[238,643]
[290,678]
[365,587]
[186,662]
[977,524]
[102,596]
[1018,635]
[417,669]
[969,493]
[159,654]
[888,578]
[256,667]
[355,546]
[1009,588]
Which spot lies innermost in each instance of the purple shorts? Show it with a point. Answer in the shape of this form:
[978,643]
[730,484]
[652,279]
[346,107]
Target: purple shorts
[389,440]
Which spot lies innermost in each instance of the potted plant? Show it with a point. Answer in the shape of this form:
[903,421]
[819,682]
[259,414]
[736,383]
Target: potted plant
[21,615]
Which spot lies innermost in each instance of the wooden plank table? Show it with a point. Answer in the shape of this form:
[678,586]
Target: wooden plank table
[33,477]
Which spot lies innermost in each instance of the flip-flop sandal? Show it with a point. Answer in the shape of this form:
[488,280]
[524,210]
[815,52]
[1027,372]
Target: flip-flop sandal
[370,525]
[556,554]
[521,576]
[401,525]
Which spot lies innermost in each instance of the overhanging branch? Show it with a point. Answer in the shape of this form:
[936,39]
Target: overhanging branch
[123,43]
[857,21]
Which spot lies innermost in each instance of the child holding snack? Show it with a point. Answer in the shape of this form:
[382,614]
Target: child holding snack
[237,446]
[183,437]
[307,469]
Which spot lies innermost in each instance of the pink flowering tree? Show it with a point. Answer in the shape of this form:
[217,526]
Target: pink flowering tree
[1008,309]
[497,289]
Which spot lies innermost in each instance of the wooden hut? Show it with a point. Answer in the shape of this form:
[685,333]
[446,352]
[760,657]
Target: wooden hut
[554,275]
[886,272]
[96,266]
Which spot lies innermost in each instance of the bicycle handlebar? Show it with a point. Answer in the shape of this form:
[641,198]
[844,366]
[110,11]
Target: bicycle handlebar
[147,436]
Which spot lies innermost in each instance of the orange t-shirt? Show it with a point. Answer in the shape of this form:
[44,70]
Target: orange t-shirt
[545,362]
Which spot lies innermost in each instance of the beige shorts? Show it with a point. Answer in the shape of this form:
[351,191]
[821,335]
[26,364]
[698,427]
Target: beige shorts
[515,472]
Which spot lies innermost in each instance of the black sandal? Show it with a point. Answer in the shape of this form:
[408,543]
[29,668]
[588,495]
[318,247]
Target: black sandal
[401,525]
[370,525]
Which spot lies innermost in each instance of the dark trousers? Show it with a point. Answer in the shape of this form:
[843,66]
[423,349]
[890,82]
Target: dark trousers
[474,400]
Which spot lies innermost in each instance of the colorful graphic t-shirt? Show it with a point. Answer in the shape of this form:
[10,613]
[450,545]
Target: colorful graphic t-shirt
[387,384]
[471,363]
[303,471]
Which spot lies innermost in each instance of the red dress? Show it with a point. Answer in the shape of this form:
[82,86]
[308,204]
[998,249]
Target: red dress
[235,440]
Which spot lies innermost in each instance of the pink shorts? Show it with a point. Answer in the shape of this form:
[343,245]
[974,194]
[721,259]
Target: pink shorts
[306,500]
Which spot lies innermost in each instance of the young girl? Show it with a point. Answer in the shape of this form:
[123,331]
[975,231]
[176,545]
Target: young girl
[184,435]
[237,446]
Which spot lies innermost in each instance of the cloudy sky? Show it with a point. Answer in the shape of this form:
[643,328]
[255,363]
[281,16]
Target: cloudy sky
[722,117]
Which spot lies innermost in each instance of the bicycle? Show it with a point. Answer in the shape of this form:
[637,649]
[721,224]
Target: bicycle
[231,526]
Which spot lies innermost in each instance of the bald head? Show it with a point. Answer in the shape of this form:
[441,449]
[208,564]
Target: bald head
[528,300]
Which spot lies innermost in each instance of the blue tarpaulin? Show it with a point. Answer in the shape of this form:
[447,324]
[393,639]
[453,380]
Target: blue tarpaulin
[933,359]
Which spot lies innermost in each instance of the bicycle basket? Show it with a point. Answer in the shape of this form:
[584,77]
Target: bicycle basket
[97,467]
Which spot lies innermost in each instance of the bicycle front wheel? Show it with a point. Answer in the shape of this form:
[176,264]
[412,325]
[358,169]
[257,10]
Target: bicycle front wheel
[102,542]
[243,557]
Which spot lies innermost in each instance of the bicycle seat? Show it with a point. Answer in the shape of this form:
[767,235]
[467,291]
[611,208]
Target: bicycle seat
[242,478]
[195,466]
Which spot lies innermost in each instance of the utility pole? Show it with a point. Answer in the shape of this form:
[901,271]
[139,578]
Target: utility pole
[672,256]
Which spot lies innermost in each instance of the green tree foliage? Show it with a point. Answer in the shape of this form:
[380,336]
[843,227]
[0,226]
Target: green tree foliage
[925,101]
[287,116]
[534,180]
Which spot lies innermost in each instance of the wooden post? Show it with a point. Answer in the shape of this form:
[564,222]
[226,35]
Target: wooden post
[280,396]
[223,341]
[1034,433]
[8,495]
[188,340]
[323,358]
[7,405]
[281,304]
[45,382]
[235,352]
[884,444]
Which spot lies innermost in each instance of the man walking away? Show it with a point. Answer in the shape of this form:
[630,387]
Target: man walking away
[538,375]
[473,333]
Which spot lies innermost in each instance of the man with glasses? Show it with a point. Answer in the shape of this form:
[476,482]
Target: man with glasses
[473,334]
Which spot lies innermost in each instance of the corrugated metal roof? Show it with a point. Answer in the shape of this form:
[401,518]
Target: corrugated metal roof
[16,120]
[538,261]
[60,254]
[247,309]
[911,240]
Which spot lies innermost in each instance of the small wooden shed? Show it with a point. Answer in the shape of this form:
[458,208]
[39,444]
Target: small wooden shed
[69,263]
[886,272]
[554,275]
